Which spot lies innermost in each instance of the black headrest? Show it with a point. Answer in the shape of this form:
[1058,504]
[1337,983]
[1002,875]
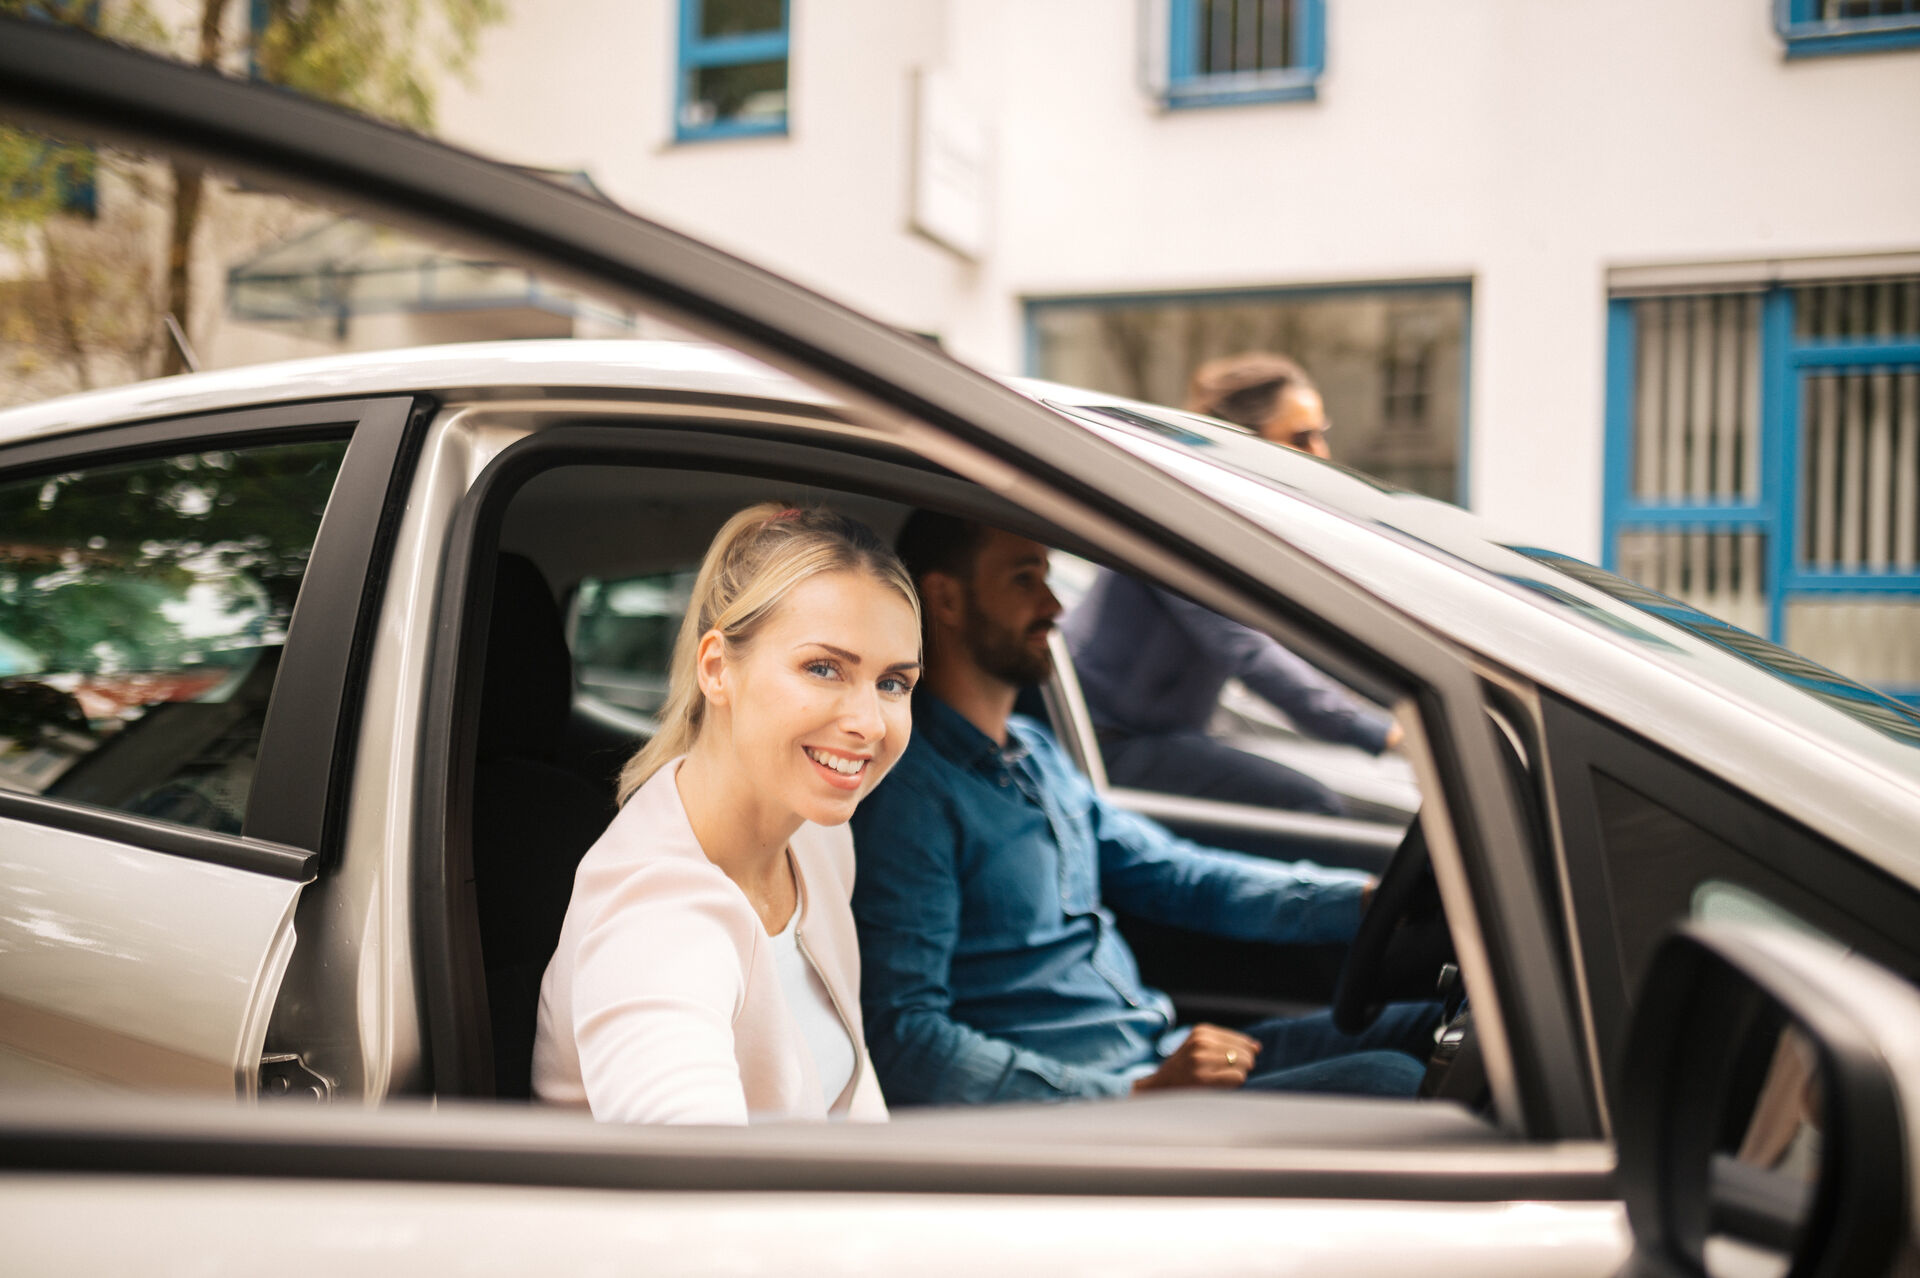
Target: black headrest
[529,682]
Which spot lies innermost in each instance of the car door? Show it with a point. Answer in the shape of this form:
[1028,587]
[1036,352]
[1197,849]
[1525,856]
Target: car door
[180,599]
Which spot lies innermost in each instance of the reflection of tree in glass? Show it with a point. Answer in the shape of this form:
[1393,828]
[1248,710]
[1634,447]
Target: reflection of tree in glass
[158,564]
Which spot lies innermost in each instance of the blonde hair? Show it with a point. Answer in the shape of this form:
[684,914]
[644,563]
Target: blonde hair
[754,563]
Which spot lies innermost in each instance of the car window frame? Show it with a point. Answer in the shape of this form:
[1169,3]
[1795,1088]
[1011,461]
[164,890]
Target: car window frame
[293,806]
[1853,891]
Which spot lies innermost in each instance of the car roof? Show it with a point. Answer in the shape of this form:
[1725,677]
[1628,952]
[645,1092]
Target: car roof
[1846,763]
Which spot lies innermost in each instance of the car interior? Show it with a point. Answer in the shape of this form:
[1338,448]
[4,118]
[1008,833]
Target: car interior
[589,581]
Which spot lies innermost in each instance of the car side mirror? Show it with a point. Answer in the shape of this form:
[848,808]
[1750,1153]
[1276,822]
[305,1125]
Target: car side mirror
[1761,1128]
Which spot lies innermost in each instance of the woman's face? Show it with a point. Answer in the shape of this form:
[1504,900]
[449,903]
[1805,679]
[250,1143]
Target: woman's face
[817,707]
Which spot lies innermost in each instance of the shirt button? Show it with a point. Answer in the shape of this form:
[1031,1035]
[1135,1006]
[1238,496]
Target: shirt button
[1004,781]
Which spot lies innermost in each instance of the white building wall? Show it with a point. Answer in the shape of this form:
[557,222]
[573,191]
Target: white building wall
[1525,145]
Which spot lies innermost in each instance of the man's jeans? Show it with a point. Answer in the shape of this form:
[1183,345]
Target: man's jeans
[1307,1054]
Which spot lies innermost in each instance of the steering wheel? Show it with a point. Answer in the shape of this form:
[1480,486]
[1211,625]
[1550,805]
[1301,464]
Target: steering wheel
[1402,939]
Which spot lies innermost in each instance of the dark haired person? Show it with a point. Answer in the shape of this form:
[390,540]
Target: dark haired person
[991,967]
[1152,664]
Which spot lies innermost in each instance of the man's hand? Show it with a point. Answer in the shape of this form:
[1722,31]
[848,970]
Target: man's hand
[1211,1057]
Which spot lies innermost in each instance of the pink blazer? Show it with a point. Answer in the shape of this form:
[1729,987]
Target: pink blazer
[662,1003]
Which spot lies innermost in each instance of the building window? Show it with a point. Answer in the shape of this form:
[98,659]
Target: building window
[1815,27]
[732,80]
[1390,361]
[1230,51]
[1763,464]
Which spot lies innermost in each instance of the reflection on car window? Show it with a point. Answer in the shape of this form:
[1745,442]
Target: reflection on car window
[1875,709]
[1187,702]
[622,636]
[142,611]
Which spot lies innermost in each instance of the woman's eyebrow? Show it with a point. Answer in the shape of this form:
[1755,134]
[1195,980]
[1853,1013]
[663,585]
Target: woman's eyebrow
[853,658]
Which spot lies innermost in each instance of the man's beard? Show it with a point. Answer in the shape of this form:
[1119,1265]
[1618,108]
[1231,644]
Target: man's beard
[1004,654]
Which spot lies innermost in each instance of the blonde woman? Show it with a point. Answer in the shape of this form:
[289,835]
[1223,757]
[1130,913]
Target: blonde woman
[708,970]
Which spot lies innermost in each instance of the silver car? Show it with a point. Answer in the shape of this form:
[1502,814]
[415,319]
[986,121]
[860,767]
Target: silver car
[318,674]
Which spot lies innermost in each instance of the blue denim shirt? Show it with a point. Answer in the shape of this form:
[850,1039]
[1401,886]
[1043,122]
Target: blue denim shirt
[991,969]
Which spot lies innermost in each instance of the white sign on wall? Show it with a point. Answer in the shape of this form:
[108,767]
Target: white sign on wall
[949,198]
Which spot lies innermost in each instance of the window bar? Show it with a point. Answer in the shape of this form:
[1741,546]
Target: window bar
[1673,473]
[1880,473]
[1750,400]
[1726,418]
[1825,442]
[1650,360]
[1853,456]
[1220,42]
[1246,35]
[1275,31]
[1906,474]
[1700,405]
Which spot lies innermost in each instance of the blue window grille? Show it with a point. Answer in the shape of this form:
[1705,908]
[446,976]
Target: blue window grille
[1763,464]
[732,79]
[1812,28]
[1221,52]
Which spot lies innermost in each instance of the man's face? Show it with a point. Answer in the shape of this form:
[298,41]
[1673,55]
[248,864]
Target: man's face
[1009,610]
[1299,421]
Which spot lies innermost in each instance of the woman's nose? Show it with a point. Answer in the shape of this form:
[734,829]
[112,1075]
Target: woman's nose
[861,715]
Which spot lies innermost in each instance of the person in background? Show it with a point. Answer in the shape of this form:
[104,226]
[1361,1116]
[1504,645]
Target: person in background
[1151,663]
[708,970]
[993,968]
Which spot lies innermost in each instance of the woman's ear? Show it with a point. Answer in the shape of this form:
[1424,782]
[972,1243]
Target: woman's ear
[710,667]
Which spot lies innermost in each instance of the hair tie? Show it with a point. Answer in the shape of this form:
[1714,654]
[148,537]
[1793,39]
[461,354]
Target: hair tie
[791,512]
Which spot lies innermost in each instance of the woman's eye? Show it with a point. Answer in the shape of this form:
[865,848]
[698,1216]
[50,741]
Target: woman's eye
[894,686]
[821,669]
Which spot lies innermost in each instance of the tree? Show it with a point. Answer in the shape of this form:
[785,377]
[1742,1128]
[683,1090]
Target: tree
[380,57]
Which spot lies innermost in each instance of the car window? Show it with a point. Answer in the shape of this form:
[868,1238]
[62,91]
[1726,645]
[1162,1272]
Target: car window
[1650,843]
[143,606]
[621,632]
[1324,747]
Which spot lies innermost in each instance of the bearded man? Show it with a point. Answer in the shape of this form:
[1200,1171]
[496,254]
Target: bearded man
[992,969]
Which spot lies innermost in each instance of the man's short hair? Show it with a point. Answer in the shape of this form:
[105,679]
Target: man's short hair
[931,541]
[1243,388]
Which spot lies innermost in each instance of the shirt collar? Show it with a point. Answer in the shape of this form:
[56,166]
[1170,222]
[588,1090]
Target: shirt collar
[955,737]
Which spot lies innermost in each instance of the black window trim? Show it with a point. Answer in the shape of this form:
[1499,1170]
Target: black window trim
[1580,744]
[292,806]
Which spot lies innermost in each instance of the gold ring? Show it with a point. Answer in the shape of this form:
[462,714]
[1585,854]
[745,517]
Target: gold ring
[1232,1057]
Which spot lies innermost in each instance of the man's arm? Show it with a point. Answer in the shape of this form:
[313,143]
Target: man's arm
[1318,706]
[1148,872]
[906,901]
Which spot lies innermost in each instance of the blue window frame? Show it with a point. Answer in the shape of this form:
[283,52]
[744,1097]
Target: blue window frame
[732,77]
[1763,464]
[1813,28]
[1222,52]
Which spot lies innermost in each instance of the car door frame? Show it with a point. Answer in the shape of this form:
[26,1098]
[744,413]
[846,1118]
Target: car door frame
[73,84]
[292,806]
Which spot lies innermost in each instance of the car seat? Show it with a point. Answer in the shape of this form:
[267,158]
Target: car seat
[533,818]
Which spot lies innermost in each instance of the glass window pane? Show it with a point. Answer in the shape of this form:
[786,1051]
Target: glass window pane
[739,17]
[1391,365]
[1872,308]
[623,634]
[1872,638]
[142,611]
[1720,572]
[1696,409]
[1860,471]
[750,93]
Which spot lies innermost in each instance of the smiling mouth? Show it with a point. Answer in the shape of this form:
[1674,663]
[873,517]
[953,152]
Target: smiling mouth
[842,765]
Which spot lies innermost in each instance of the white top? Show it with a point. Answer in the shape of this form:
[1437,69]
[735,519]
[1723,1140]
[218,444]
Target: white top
[812,1007]
[664,1002]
